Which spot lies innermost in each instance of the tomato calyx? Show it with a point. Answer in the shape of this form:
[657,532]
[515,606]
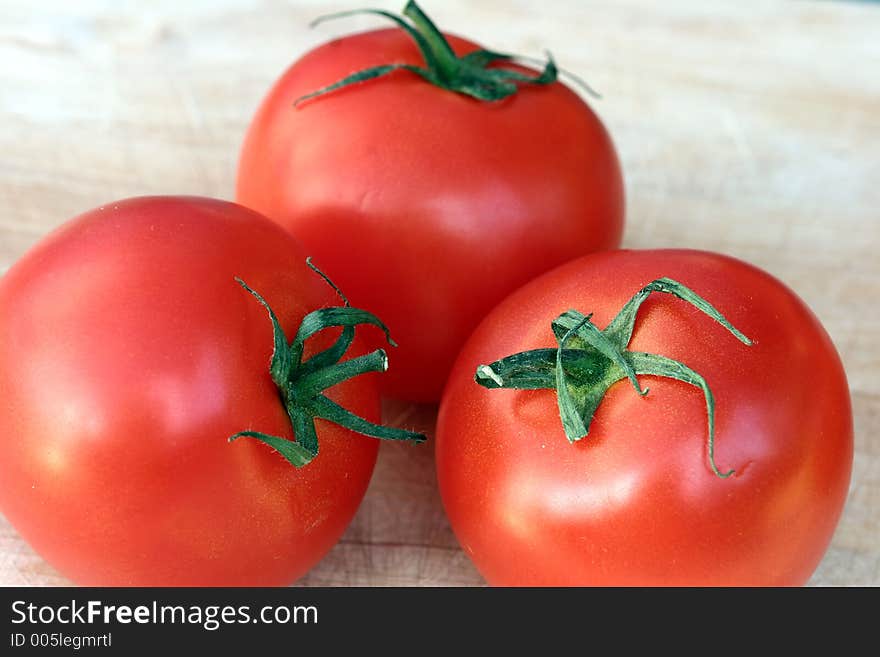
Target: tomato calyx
[588,361]
[469,75]
[301,383]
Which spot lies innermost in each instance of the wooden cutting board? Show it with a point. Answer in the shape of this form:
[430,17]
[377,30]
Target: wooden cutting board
[747,128]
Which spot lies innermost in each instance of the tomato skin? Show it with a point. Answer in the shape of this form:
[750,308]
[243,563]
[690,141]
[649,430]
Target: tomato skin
[128,356]
[635,502]
[428,206]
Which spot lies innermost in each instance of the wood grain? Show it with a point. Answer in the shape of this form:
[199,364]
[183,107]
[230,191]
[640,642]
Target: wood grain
[748,128]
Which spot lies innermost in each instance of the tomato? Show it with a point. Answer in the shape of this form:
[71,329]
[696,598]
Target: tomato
[636,501]
[428,206]
[128,356]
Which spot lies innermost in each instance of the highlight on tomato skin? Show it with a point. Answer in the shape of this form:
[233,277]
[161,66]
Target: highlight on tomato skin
[129,354]
[427,204]
[637,501]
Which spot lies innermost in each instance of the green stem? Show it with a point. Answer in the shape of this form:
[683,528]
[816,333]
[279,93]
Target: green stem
[444,56]
[588,361]
[472,75]
[301,384]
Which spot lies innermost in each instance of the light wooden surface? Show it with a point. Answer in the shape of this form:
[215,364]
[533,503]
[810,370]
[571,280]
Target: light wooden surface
[751,128]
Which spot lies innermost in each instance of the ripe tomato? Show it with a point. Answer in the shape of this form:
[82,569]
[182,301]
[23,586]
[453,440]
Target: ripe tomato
[636,502]
[128,356]
[428,206]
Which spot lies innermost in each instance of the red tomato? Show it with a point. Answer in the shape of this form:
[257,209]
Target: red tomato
[636,502]
[427,205]
[128,356]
